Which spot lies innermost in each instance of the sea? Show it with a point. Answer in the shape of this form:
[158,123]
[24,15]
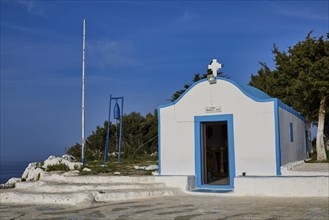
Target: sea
[9,169]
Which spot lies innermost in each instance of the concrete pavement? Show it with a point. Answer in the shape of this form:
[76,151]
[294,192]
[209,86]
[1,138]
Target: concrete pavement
[181,207]
[115,197]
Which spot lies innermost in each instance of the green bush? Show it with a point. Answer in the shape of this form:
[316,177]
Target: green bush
[139,138]
[58,167]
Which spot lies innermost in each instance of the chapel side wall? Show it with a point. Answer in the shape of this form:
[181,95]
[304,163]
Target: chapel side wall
[255,140]
[254,124]
[176,149]
[291,150]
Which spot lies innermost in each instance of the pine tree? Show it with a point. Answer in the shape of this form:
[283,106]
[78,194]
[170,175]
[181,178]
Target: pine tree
[301,80]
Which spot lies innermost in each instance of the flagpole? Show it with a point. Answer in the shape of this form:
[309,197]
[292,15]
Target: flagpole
[83,90]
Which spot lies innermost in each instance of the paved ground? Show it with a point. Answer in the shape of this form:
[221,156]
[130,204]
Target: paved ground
[182,207]
[312,167]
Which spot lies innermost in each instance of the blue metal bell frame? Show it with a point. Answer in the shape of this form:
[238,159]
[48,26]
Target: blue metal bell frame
[117,116]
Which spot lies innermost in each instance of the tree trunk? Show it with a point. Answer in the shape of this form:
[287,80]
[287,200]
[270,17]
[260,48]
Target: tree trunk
[308,125]
[321,152]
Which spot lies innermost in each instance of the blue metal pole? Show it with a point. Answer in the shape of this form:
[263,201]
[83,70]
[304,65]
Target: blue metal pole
[120,139]
[108,134]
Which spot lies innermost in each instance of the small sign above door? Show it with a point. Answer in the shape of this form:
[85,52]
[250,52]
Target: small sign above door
[213,109]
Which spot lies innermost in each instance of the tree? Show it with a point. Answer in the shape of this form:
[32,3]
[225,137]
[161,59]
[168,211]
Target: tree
[139,137]
[140,133]
[301,79]
[284,83]
[96,141]
[74,150]
[326,130]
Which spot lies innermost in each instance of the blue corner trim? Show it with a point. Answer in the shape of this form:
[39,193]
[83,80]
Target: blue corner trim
[159,141]
[277,138]
[198,149]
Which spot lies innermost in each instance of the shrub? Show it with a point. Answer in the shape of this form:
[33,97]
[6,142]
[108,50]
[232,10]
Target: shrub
[58,167]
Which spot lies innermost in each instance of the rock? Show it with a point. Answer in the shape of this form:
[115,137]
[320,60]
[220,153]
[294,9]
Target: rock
[139,167]
[51,157]
[10,183]
[155,173]
[115,154]
[152,167]
[33,172]
[72,173]
[60,160]
[154,154]
[86,169]
[117,173]
[69,158]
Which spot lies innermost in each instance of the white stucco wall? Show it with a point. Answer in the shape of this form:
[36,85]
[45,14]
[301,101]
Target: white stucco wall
[296,150]
[254,129]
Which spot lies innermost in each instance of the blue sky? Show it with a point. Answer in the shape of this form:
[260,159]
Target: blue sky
[142,50]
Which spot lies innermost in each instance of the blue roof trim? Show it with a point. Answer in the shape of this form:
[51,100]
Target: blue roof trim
[255,92]
[182,95]
[251,92]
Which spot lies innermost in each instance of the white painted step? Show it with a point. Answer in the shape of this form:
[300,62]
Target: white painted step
[28,198]
[19,196]
[98,179]
[42,186]
[119,195]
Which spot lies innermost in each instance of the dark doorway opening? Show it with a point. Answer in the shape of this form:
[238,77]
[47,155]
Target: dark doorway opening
[215,164]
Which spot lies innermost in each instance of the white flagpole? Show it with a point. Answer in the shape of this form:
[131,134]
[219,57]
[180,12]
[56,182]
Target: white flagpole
[83,90]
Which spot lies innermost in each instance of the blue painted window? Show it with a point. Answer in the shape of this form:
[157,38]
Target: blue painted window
[291,132]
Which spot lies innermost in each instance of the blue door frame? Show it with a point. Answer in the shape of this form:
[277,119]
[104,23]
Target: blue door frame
[198,120]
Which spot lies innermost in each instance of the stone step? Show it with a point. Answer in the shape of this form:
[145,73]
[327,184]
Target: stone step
[33,198]
[119,195]
[43,186]
[84,198]
[98,179]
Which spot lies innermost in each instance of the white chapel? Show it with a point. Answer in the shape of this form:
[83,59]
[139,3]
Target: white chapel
[218,130]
